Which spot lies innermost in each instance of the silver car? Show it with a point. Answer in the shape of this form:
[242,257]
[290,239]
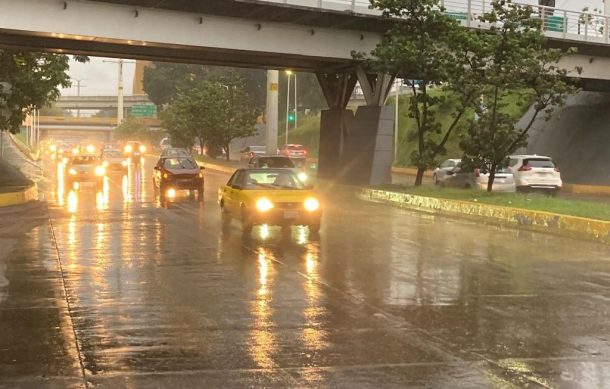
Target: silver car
[504,180]
[445,170]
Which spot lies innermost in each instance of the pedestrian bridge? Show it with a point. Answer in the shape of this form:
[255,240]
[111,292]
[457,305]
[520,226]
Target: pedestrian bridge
[99,128]
[99,102]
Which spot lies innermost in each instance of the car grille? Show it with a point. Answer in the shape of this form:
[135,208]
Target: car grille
[288,205]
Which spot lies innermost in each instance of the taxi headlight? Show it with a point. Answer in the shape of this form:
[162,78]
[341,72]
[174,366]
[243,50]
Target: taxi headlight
[264,204]
[72,171]
[142,148]
[90,148]
[128,148]
[171,193]
[124,163]
[100,171]
[302,176]
[311,204]
[105,164]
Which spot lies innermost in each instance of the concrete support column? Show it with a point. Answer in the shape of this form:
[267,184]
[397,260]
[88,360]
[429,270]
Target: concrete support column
[271,116]
[356,149]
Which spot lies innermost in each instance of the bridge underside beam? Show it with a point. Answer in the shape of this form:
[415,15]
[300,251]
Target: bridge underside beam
[167,35]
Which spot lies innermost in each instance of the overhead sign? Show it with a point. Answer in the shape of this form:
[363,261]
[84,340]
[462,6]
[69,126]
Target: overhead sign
[143,111]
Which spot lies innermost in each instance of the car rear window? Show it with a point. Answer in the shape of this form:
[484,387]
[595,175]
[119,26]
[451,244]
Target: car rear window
[539,163]
[256,148]
[294,147]
[275,162]
[84,160]
[112,153]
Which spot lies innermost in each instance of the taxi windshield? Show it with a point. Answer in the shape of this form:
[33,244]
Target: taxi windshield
[180,163]
[259,180]
[112,154]
[84,160]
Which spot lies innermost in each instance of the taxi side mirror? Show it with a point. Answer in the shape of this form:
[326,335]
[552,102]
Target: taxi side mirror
[201,167]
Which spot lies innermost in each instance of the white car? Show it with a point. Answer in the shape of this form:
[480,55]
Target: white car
[503,181]
[445,170]
[535,172]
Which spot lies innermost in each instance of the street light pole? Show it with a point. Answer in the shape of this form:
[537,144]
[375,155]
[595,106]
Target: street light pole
[295,101]
[272,111]
[120,112]
[398,84]
[78,86]
[288,73]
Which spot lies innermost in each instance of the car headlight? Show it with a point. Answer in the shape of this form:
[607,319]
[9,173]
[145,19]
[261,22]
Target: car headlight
[200,175]
[142,148]
[100,171]
[264,204]
[165,175]
[128,148]
[311,204]
[64,160]
[302,176]
[124,163]
[72,171]
[105,164]
[75,151]
[171,193]
[52,147]
[90,148]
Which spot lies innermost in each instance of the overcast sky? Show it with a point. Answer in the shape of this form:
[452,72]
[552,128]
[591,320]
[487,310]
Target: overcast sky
[100,78]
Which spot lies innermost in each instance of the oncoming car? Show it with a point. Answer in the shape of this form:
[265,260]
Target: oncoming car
[84,168]
[113,159]
[175,173]
[269,196]
[134,151]
[277,162]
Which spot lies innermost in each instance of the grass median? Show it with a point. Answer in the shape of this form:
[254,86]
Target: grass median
[531,201]
[11,177]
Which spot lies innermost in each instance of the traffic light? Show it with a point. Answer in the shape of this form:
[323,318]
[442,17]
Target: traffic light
[291,117]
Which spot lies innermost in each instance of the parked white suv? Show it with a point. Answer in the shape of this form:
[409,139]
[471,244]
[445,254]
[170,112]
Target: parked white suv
[535,172]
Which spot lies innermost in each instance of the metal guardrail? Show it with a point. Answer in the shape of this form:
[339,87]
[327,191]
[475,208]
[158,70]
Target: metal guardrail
[558,23]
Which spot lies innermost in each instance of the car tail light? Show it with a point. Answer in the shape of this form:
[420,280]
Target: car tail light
[525,168]
[251,154]
[305,152]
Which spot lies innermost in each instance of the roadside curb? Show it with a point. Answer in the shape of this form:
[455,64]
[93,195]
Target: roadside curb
[23,148]
[19,197]
[573,226]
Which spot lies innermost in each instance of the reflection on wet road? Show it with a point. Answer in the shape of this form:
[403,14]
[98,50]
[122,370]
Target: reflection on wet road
[162,296]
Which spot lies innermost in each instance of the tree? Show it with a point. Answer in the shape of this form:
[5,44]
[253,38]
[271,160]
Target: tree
[235,112]
[35,79]
[214,112]
[423,48]
[518,62]
[163,81]
[135,129]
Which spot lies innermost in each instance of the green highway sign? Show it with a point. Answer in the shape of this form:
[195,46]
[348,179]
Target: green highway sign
[144,111]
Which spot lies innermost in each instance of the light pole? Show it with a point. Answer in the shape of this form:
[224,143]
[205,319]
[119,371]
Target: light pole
[120,112]
[288,73]
[397,86]
[78,86]
[272,111]
[295,101]
[5,93]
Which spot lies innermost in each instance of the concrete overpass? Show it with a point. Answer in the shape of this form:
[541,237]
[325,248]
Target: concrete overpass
[59,127]
[306,35]
[99,102]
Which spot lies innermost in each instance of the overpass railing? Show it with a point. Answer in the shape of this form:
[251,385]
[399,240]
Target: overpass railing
[558,23]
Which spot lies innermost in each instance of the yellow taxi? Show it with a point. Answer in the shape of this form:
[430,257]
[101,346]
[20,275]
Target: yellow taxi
[269,196]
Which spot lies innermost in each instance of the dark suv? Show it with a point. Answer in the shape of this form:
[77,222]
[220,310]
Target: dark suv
[178,173]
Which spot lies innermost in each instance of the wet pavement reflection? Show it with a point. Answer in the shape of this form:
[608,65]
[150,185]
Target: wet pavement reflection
[161,295]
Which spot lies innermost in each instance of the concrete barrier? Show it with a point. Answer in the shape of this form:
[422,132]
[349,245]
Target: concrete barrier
[34,156]
[577,227]
[19,196]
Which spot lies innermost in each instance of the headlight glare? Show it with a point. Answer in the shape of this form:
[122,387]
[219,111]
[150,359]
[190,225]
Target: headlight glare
[105,164]
[128,148]
[142,148]
[302,176]
[72,171]
[100,171]
[312,204]
[264,204]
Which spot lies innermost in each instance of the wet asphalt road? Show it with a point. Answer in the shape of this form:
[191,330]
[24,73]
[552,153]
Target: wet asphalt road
[119,292]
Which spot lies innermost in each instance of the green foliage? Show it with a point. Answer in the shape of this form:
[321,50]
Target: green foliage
[135,129]
[429,46]
[35,79]
[213,112]
[511,58]
[164,81]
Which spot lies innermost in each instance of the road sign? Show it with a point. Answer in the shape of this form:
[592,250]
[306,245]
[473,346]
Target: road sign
[144,111]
